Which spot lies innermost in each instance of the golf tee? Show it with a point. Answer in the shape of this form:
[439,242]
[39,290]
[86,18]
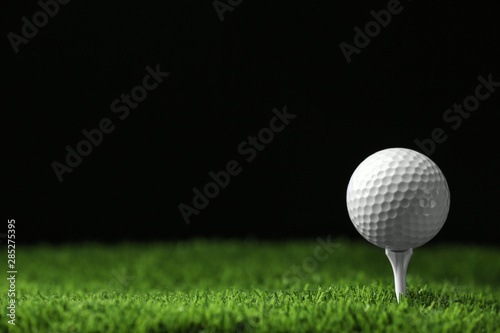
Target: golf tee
[399,262]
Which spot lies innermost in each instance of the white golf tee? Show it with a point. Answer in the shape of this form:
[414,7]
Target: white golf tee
[399,261]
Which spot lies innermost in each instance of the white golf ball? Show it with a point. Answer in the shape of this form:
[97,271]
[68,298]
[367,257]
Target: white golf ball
[398,199]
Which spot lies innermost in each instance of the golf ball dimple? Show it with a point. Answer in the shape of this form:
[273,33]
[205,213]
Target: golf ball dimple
[398,199]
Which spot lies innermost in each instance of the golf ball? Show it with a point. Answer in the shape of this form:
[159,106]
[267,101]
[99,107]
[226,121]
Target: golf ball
[398,199]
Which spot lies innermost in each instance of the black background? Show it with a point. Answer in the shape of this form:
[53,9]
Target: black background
[225,79]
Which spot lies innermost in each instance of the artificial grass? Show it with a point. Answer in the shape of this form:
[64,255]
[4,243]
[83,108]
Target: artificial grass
[251,286]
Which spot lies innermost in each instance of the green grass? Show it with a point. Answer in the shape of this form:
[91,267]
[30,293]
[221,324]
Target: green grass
[248,286]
